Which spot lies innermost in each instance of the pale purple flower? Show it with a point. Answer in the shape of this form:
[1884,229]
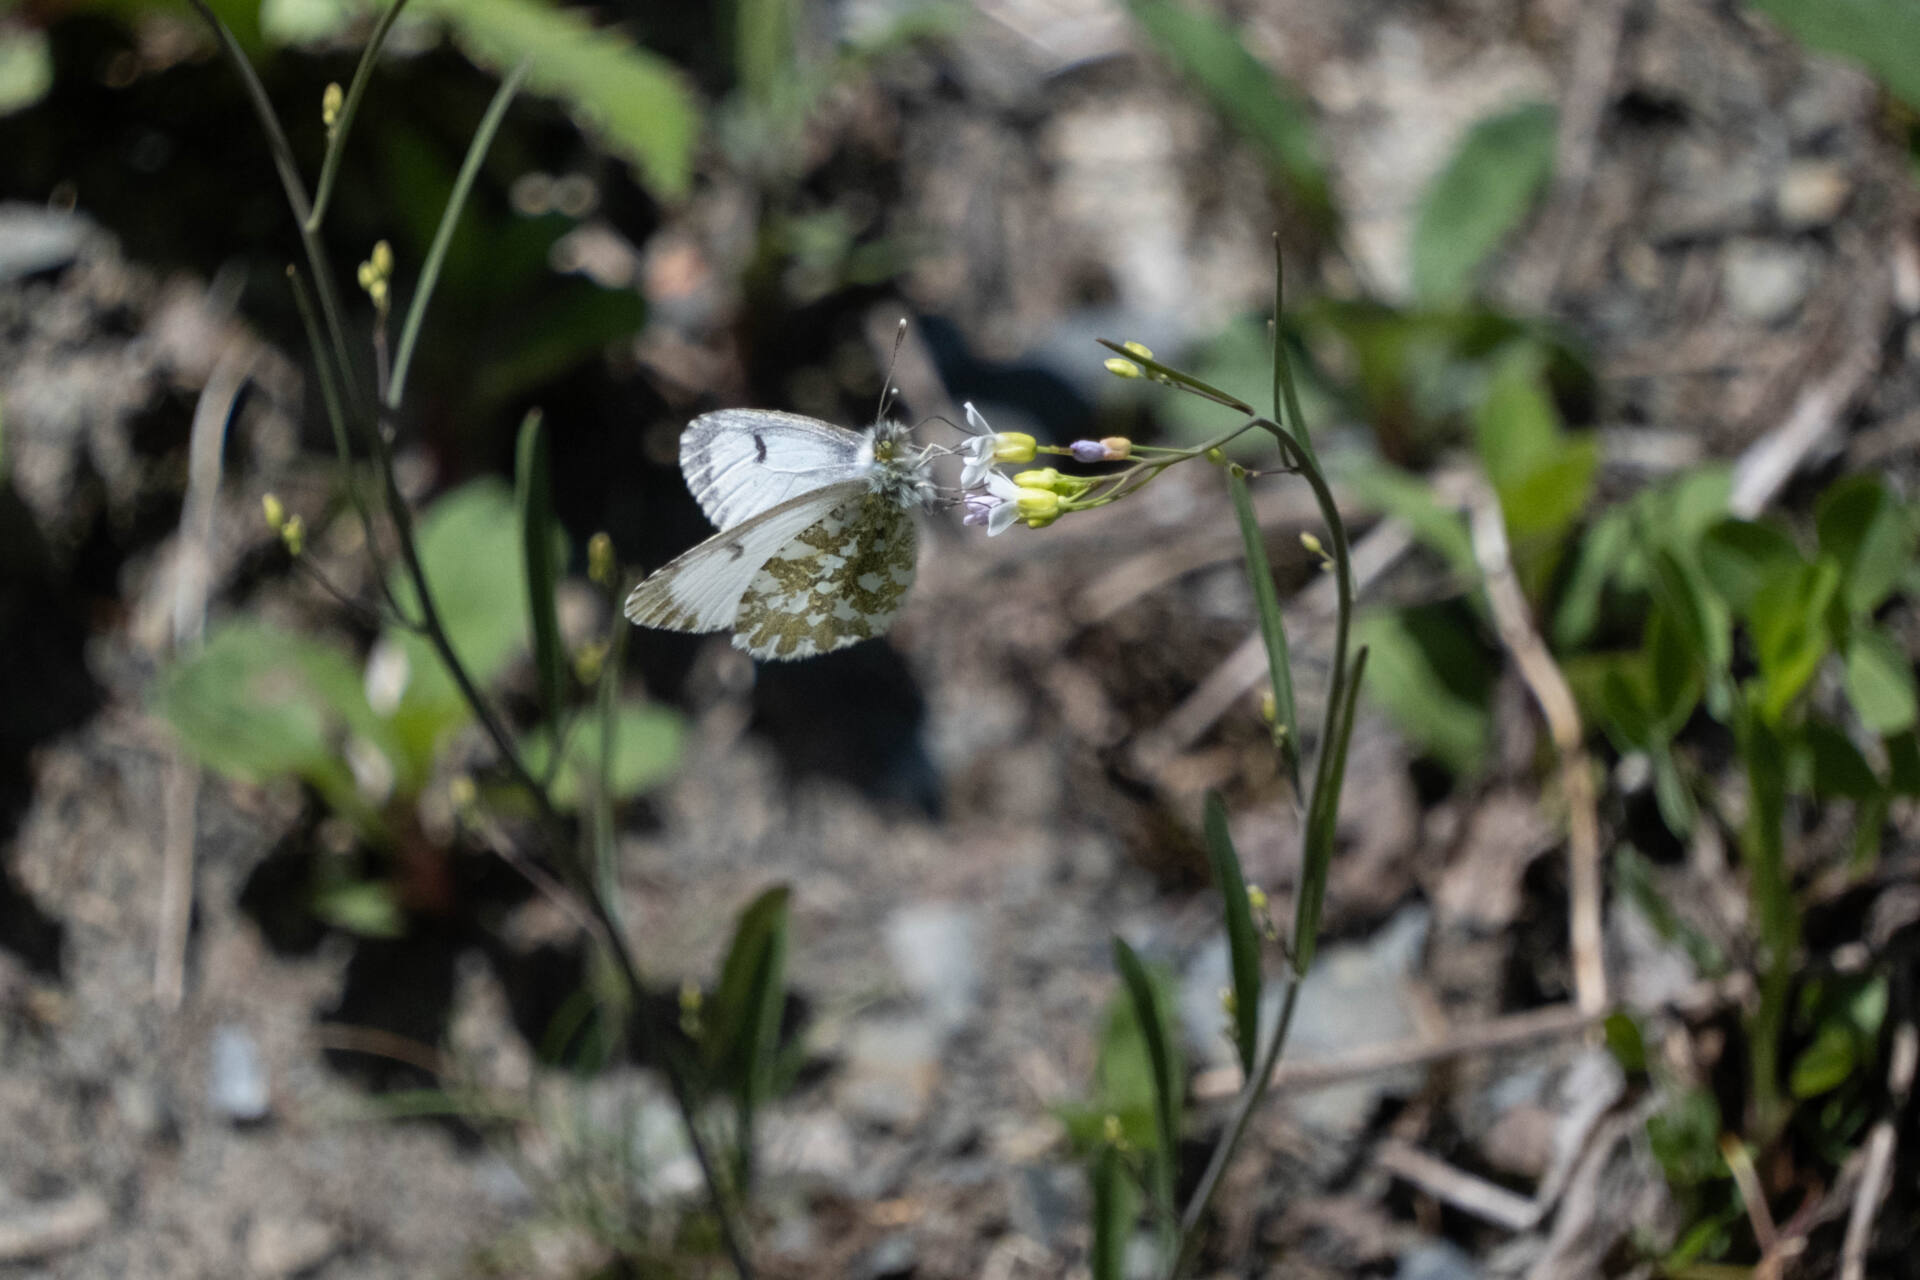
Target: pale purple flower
[996,504]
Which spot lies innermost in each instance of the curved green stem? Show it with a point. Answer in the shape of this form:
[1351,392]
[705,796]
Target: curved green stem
[343,124]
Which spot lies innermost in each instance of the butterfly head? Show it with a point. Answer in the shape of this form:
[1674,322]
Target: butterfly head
[897,469]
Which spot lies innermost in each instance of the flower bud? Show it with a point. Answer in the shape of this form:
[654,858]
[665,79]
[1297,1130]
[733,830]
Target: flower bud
[1013,446]
[1112,1130]
[1123,368]
[600,562]
[1042,478]
[1229,1002]
[276,514]
[1256,898]
[461,793]
[1269,707]
[691,998]
[294,533]
[331,100]
[1119,448]
[1139,349]
[1216,457]
[1037,504]
[589,662]
[1312,544]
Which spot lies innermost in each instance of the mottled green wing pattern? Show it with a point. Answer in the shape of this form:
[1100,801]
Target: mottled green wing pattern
[838,582]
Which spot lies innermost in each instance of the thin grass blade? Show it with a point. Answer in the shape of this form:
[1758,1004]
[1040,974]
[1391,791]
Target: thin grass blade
[1153,1030]
[1273,630]
[1322,813]
[533,499]
[1243,939]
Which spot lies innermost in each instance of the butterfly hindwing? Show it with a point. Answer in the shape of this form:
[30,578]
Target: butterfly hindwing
[702,589]
[839,580]
[741,462]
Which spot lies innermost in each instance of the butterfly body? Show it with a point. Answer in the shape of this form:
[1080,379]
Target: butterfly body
[816,544]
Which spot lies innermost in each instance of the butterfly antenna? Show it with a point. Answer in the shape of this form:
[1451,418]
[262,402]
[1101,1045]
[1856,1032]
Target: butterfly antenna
[887,389]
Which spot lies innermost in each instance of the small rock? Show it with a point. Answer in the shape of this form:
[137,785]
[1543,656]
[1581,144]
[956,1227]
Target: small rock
[1520,1142]
[1812,193]
[34,239]
[1436,1260]
[1043,1201]
[1357,996]
[288,1246]
[893,1257]
[935,950]
[816,1145]
[237,1076]
[41,1228]
[1765,280]
[892,1066]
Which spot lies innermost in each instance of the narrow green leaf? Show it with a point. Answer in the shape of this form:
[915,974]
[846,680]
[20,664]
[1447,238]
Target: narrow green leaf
[1824,1065]
[744,1029]
[1273,630]
[533,495]
[1167,1091]
[1880,682]
[1266,111]
[1483,194]
[1243,940]
[1286,397]
[1323,813]
[1115,1205]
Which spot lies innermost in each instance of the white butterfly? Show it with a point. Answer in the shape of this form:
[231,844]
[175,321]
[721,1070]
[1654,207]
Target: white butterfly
[816,545]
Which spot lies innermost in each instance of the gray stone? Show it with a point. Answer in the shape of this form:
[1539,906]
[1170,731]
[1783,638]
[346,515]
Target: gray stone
[935,950]
[1436,1260]
[892,1257]
[288,1246]
[1357,996]
[891,1068]
[1043,1201]
[1765,280]
[237,1085]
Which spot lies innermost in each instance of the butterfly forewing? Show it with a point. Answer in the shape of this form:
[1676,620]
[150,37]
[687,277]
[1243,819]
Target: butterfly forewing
[702,589]
[840,580]
[741,462]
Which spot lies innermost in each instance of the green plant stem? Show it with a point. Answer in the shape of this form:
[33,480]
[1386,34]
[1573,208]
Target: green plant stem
[443,236]
[343,123]
[1251,1094]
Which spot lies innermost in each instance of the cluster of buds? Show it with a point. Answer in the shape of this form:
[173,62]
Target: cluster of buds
[1036,497]
[1121,367]
[291,528]
[331,103]
[375,273]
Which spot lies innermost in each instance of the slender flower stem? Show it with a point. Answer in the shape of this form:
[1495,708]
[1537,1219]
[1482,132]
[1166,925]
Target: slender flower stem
[343,124]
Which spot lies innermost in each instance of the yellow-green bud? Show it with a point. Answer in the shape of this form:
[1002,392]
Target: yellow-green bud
[382,257]
[375,272]
[461,793]
[1119,448]
[1138,348]
[331,100]
[1123,368]
[1013,446]
[1037,504]
[1041,522]
[1229,1002]
[1041,478]
[1256,898]
[1312,544]
[276,514]
[1269,707]
[1216,457]
[690,1001]
[294,533]
[589,662]
[1112,1131]
[600,562]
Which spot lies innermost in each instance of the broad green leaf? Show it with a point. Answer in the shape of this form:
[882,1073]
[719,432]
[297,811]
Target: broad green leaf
[1268,112]
[469,545]
[1883,35]
[1483,194]
[647,742]
[1880,682]
[1790,632]
[1835,765]
[258,703]
[1168,1085]
[539,549]
[634,99]
[1864,528]
[1273,629]
[1738,557]
[1517,429]
[1243,940]
[1434,679]
[1547,499]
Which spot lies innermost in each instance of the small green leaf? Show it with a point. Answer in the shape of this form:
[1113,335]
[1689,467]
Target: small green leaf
[1516,428]
[1824,1065]
[1243,940]
[646,749]
[1266,111]
[1273,629]
[1790,632]
[1738,557]
[1483,194]
[1676,676]
[1433,678]
[1624,1041]
[1837,767]
[533,496]
[1864,529]
[1880,683]
[1168,1089]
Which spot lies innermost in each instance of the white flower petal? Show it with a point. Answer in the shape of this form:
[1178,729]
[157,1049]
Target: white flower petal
[1001,518]
[977,422]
